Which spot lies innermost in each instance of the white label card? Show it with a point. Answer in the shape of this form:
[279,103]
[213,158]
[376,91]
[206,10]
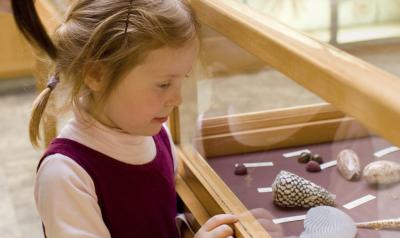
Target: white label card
[328,164]
[359,201]
[260,164]
[386,151]
[264,190]
[295,153]
[289,219]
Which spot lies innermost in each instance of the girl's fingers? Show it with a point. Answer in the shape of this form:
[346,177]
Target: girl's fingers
[219,220]
[221,231]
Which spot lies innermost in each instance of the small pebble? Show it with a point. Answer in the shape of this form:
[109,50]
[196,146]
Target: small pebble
[304,157]
[240,169]
[317,158]
[313,166]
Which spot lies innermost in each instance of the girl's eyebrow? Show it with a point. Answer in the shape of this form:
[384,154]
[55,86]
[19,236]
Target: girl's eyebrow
[177,75]
[171,75]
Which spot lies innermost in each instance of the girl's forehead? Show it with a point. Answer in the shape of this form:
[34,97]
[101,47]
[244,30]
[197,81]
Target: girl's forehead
[167,59]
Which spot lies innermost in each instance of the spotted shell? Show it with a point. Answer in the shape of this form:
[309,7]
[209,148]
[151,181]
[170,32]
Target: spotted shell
[328,222]
[382,172]
[291,190]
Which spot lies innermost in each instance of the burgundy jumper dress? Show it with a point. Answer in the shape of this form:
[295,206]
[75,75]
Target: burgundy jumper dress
[136,201]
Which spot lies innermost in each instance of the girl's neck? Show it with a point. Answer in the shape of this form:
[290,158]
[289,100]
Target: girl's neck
[114,143]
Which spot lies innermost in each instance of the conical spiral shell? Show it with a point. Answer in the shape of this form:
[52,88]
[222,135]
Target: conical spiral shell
[290,190]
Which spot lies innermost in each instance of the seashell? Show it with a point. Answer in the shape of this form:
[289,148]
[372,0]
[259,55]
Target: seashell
[304,157]
[240,169]
[380,224]
[328,222]
[317,158]
[291,190]
[348,164]
[382,172]
[313,166]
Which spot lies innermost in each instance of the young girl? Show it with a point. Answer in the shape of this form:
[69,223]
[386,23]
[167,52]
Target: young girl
[110,172]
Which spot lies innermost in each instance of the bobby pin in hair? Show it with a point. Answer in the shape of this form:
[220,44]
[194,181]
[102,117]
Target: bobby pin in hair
[127,18]
[53,81]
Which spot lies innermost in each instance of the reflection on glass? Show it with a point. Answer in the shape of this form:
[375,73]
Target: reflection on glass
[246,119]
[227,68]
[336,21]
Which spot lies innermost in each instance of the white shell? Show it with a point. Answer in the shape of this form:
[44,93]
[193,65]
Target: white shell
[348,164]
[328,222]
[291,190]
[382,172]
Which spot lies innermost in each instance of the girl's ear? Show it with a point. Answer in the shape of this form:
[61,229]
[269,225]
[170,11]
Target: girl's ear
[94,80]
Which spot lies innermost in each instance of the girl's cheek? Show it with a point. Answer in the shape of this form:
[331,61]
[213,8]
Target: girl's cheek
[5,6]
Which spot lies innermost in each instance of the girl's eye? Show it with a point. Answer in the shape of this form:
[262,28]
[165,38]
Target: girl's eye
[164,85]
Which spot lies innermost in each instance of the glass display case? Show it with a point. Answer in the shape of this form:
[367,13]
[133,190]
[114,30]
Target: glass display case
[261,95]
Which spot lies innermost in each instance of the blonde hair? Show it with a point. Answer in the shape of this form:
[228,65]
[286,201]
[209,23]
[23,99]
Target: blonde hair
[115,34]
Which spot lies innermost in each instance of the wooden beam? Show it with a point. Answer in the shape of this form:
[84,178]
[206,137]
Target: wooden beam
[266,119]
[314,132]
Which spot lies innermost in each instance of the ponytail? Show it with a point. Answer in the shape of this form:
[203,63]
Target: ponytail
[29,24]
[36,116]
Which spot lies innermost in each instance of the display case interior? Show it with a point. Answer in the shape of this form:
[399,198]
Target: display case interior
[262,94]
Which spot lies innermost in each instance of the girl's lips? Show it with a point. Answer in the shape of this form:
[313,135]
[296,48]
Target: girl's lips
[160,119]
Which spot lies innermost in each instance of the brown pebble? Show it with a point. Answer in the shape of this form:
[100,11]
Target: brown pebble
[313,166]
[240,169]
[317,158]
[304,157]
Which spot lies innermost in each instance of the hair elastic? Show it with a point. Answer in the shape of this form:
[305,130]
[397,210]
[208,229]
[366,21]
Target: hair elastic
[53,81]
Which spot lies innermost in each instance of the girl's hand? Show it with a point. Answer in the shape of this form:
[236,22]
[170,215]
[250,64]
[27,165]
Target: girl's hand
[217,227]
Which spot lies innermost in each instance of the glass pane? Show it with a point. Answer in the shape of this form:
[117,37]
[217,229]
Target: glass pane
[311,17]
[334,20]
[227,67]
[239,111]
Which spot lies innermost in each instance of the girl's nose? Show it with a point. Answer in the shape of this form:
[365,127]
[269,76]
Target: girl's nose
[176,99]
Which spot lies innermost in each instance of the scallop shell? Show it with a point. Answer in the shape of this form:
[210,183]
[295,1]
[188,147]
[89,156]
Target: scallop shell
[382,172]
[380,224]
[290,190]
[328,222]
[348,164]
